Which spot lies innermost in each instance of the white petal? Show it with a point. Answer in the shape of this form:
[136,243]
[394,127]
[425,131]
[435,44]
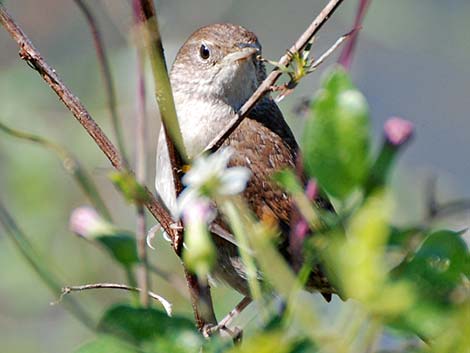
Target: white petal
[234,180]
[220,159]
[206,168]
[184,200]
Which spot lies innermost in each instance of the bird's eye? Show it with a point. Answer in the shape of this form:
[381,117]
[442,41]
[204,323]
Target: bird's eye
[204,52]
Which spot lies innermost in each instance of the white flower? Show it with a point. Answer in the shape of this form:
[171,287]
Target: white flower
[210,177]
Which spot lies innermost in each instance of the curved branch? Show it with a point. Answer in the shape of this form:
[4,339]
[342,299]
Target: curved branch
[66,290]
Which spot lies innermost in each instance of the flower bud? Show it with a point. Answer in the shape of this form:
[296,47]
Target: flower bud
[199,254]
[398,131]
[87,223]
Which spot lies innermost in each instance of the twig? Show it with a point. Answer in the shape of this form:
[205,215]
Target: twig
[66,290]
[140,165]
[107,77]
[317,23]
[335,46]
[231,315]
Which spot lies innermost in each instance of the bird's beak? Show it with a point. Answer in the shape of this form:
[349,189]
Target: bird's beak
[243,52]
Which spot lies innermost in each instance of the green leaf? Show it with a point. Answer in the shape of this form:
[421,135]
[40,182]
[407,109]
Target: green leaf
[437,267]
[139,325]
[130,188]
[121,245]
[402,237]
[336,138]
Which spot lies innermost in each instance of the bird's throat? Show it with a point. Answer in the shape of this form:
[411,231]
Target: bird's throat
[201,120]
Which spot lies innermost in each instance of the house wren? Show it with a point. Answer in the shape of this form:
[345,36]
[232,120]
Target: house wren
[214,73]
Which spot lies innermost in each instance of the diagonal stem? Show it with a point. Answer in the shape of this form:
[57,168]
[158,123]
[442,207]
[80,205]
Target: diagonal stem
[265,86]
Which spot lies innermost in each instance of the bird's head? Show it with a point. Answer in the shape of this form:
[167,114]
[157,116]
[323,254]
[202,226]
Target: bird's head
[219,62]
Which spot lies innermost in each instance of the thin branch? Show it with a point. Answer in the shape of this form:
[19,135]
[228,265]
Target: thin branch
[317,23]
[107,77]
[345,59]
[140,165]
[225,322]
[66,290]
[332,49]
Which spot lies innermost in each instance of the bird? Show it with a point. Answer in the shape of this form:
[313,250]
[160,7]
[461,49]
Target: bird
[215,71]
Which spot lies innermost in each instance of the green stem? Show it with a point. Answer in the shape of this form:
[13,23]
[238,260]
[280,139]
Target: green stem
[163,92]
[107,78]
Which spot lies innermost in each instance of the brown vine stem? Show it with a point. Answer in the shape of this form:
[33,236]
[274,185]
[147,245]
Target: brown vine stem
[266,85]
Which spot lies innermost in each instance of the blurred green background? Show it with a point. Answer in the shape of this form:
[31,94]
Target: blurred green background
[412,61]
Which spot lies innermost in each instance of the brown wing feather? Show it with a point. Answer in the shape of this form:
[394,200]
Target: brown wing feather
[265,144]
